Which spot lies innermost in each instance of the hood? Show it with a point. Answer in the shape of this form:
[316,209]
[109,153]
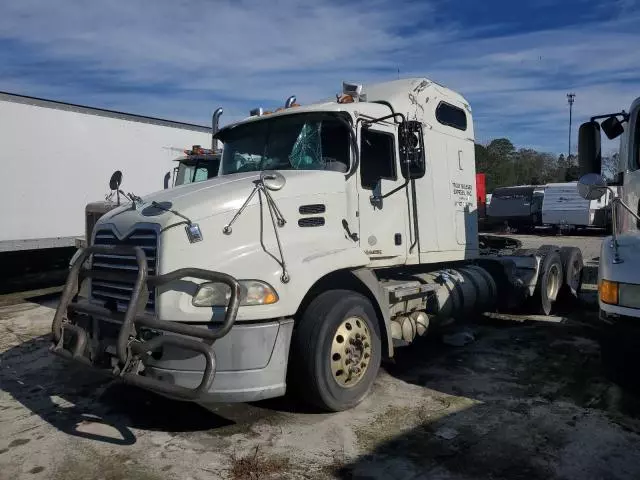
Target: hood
[629,251]
[201,200]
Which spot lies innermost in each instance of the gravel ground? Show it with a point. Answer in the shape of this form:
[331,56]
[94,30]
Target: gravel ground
[528,398]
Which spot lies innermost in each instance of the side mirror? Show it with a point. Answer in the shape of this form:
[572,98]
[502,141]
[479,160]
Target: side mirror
[592,186]
[167,178]
[116,180]
[612,127]
[589,154]
[411,147]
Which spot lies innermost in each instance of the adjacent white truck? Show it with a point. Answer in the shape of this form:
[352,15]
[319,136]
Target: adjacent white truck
[57,157]
[335,233]
[619,262]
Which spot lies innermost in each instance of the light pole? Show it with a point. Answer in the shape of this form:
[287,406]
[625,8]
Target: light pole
[570,99]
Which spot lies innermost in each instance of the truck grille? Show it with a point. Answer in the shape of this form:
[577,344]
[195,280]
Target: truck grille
[119,293]
[93,212]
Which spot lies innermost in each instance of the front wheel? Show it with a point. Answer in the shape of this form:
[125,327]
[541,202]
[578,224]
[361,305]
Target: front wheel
[336,350]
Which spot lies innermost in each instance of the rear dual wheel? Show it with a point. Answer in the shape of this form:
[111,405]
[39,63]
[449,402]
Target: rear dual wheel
[560,277]
[572,265]
[336,351]
[550,279]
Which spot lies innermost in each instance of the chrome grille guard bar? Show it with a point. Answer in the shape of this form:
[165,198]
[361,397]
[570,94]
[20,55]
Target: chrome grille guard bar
[130,347]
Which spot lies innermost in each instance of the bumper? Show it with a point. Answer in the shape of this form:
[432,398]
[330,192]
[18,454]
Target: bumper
[620,321]
[197,363]
[251,364]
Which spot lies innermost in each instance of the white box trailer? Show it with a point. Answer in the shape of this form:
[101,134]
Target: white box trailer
[565,208]
[57,157]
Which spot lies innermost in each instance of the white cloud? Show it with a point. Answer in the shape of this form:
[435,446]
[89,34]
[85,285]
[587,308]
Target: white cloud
[182,59]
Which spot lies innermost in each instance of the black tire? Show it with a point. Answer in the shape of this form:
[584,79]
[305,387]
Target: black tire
[546,293]
[546,248]
[311,350]
[572,265]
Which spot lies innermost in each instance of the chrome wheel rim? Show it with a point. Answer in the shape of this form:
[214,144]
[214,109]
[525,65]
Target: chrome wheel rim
[350,352]
[553,282]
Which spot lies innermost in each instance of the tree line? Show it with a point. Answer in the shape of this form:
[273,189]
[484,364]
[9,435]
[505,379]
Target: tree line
[505,166]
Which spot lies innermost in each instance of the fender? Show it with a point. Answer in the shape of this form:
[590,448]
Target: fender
[370,280]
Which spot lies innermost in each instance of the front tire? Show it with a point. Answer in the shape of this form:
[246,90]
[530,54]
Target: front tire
[336,350]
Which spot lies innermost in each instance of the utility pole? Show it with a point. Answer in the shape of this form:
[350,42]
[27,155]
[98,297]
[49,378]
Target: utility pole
[570,99]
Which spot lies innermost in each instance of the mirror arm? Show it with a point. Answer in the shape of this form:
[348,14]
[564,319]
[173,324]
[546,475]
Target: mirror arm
[614,224]
[625,116]
[625,206]
[388,194]
[381,119]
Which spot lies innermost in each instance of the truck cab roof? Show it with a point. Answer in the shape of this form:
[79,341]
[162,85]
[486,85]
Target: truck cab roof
[415,98]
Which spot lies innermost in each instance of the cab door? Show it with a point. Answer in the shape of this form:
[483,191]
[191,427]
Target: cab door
[382,199]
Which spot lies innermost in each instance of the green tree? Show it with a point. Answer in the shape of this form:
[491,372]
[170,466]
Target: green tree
[501,154]
[506,166]
[501,148]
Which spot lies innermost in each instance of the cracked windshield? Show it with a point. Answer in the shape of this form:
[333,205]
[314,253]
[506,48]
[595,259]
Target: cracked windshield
[299,142]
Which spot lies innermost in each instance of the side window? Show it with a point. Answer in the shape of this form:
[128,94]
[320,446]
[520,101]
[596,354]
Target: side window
[451,116]
[377,157]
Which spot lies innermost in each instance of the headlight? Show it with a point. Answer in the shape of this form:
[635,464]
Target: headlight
[629,295]
[622,294]
[252,292]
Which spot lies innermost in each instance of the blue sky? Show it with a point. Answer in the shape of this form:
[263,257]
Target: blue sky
[513,60]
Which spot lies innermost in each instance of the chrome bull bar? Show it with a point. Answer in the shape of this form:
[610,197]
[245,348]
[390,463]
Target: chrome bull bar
[73,341]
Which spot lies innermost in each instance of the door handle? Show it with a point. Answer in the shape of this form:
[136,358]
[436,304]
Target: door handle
[460,158]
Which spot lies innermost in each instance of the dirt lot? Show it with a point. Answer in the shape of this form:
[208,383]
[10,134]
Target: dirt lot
[526,399]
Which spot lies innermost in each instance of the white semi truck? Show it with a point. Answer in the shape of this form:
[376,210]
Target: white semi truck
[619,262]
[335,233]
[57,157]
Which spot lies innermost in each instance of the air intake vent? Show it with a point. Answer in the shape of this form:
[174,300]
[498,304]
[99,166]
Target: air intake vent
[311,222]
[312,209]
